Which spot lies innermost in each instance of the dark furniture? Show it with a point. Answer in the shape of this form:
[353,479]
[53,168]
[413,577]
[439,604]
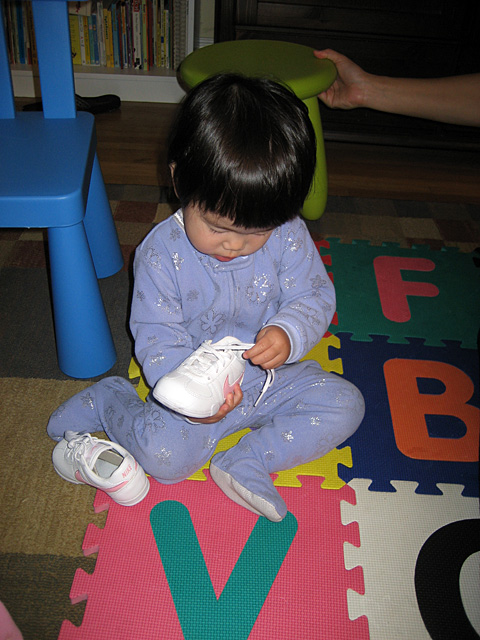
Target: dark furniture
[412,38]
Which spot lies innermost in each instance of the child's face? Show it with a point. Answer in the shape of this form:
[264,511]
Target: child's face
[218,237]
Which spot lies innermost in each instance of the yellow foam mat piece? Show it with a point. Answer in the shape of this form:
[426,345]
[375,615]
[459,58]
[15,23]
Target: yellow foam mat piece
[320,354]
[326,467]
[135,372]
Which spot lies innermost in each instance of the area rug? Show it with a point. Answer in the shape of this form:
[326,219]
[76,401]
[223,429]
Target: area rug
[382,538]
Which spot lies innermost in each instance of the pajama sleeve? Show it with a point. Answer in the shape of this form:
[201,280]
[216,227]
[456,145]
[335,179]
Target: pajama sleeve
[307,301]
[156,320]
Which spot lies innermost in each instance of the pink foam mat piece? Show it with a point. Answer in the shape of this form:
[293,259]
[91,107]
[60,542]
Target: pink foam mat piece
[128,595]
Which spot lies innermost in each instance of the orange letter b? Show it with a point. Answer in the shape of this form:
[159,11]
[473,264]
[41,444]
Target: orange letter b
[409,407]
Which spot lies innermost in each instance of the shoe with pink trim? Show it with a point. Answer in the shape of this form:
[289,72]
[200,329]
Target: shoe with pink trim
[197,388]
[84,459]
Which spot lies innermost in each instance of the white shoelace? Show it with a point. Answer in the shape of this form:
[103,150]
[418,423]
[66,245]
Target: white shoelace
[77,447]
[208,357]
[268,383]
[211,350]
[106,463]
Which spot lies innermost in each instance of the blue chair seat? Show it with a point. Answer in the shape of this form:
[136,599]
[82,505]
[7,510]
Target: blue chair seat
[44,184]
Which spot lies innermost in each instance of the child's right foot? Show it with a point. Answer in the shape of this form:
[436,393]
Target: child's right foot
[105,465]
[247,483]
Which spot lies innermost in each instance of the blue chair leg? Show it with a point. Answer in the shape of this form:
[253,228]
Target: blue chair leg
[100,227]
[85,345]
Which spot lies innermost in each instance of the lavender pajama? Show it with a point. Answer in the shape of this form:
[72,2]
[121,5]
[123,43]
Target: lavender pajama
[181,298]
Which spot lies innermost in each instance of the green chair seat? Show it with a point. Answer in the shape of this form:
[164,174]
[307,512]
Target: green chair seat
[291,64]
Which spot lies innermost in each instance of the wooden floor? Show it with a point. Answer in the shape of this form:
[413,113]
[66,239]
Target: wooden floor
[132,151]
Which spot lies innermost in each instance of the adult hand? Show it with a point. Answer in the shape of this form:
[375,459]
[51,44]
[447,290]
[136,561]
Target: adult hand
[453,99]
[348,90]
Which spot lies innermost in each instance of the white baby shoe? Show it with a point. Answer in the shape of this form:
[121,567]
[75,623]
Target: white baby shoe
[198,387]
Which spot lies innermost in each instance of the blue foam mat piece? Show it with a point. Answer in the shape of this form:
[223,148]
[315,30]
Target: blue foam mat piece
[374,450]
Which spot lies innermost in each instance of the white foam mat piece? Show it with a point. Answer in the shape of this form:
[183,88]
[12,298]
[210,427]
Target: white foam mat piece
[393,528]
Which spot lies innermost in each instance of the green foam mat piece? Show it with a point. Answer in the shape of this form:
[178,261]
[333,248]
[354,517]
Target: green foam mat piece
[406,293]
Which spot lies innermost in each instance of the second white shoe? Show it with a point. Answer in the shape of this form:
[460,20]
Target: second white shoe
[84,459]
[198,387]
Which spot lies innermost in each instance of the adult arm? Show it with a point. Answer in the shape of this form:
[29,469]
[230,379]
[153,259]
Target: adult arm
[454,99]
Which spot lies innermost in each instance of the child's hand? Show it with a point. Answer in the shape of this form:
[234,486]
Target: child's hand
[231,401]
[271,349]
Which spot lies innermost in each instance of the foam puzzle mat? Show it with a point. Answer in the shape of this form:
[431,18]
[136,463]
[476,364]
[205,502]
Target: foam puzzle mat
[382,537]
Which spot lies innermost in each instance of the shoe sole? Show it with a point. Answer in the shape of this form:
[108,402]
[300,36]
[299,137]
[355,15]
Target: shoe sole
[166,402]
[242,496]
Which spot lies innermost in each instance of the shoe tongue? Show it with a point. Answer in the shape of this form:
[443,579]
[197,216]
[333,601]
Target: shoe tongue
[200,365]
[95,452]
[107,466]
[206,361]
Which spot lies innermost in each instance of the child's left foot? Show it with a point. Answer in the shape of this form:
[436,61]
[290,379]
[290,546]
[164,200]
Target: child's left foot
[83,459]
[248,484]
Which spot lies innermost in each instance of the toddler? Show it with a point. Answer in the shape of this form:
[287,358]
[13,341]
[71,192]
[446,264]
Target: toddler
[235,260]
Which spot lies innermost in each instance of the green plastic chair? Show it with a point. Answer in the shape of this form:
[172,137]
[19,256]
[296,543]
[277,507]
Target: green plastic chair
[288,63]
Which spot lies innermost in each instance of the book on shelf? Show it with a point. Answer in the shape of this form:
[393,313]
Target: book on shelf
[117,34]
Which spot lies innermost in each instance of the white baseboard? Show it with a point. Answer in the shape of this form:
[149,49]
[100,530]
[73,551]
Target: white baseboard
[129,86]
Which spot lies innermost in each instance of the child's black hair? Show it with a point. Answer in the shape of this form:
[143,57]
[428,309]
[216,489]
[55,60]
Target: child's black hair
[243,148]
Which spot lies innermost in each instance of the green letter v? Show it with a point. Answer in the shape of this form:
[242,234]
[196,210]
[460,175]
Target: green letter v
[201,615]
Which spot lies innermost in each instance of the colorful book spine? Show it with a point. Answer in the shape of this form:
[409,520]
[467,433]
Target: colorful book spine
[166,38]
[102,56]
[82,40]
[75,39]
[26,35]
[108,38]
[86,39]
[144,10]
[116,47]
[123,35]
[137,34]
[94,39]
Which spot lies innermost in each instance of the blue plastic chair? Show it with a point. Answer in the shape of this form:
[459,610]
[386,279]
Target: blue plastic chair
[50,178]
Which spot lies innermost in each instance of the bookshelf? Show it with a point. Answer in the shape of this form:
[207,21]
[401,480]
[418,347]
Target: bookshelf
[144,82]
